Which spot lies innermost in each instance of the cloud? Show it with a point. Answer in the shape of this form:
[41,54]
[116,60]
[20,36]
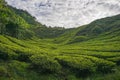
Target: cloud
[68,13]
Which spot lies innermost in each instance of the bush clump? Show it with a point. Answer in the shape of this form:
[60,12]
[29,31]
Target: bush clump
[44,64]
[79,65]
[6,54]
[115,59]
[85,65]
[3,71]
[102,65]
[24,56]
[78,39]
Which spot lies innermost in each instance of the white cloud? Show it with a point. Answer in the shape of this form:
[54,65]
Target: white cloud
[68,13]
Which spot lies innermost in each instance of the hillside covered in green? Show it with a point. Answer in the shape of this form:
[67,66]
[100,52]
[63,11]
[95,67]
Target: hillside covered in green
[20,24]
[32,51]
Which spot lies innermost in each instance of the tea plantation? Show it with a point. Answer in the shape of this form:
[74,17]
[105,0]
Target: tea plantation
[32,51]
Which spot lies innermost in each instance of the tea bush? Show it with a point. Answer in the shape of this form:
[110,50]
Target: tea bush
[115,59]
[78,39]
[6,54]
[79,65]
[3,71]
[45,64]
[102,65]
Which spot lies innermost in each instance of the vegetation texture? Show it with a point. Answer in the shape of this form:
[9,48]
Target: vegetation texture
[32,51]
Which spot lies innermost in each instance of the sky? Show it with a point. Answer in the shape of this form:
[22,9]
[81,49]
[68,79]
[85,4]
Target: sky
[68,13]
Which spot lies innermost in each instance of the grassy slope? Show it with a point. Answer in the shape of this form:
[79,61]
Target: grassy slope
[103,28]
[86,52]
[20,24]
[97,48]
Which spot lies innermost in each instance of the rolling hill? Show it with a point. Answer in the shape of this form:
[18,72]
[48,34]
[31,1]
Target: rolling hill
[106,27]
[20,24]
[32,51]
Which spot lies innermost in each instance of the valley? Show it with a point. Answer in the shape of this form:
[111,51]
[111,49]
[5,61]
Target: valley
[32,51]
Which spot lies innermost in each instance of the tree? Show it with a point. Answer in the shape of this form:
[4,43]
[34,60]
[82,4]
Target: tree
[12,29]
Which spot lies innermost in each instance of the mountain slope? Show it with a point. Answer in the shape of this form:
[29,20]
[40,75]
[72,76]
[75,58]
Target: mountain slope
[12,24]
[106,27]
[20,24]
[88,52]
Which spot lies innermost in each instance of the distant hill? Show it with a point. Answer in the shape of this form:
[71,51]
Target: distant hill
[20,24]
[105,27]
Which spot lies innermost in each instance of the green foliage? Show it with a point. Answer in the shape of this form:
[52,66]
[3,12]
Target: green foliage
[6,54]
[23,56]
[23,25]
[106,27]
[49,32]
[86,64]
[96,30]
[3,71]
[78,39]
[93,49]
[79,65]
[102,65]
[26,16]
[45,64]
[12,24]
[115,59]
[12,29]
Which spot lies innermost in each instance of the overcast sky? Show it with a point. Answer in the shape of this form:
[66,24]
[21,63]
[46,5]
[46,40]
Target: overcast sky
[68,13]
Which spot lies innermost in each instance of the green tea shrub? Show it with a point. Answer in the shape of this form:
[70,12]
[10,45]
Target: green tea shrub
[3,71]
[105,66]
[24,56]
[6,54]
[45,64]
[78,39]
[79,65]
[17,67]
[115,59]
[102,65]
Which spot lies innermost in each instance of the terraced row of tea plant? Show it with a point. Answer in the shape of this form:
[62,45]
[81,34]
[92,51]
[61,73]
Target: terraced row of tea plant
[32,51]
[58,60]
